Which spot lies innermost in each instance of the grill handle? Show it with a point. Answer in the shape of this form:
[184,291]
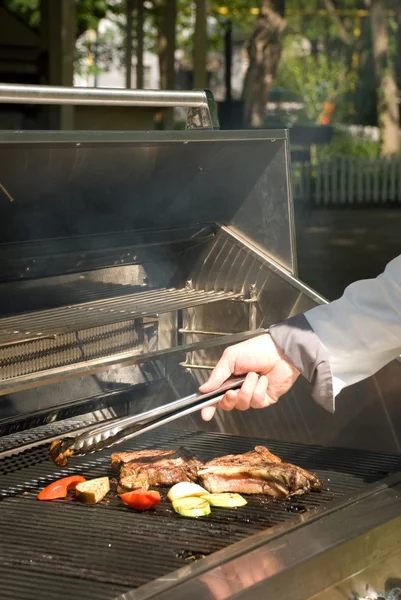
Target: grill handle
[121,430]
[202,111]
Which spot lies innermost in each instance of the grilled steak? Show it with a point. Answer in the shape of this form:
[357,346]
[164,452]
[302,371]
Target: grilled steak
[119,458]
[256,472]
[151,468]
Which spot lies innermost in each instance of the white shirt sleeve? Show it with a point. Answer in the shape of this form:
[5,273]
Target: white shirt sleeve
[361,331]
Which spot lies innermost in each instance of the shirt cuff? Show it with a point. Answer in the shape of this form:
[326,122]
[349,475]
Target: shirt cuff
[300,344]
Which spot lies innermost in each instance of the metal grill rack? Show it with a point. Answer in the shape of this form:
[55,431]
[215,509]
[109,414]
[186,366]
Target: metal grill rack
[114,549]
[88,334]
[51,323]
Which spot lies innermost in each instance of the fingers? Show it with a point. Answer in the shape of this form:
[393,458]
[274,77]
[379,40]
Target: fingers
[260,398]
[208,412]
[245,394]
[222,371]
[229,400]
[253,394]
[226,403]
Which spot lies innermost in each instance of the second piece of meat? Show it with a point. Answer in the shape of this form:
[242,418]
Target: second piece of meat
[151,468]
[256,472]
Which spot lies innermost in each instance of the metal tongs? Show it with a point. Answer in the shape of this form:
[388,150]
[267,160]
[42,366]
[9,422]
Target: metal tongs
[116,431]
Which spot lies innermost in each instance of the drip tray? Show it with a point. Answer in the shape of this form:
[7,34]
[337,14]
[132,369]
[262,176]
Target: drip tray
[62,549]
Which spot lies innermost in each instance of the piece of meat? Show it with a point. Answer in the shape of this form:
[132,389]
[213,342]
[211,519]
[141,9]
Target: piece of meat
[119,458]
[256,472]
[254,457]
[59,455]
[151,468]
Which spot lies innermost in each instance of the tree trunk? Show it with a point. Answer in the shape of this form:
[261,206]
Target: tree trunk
[140,17]
[166,41]
[161,45]
[200,45]
[129,8]
[387,105]
[397,11]
[342,30]
[264,51]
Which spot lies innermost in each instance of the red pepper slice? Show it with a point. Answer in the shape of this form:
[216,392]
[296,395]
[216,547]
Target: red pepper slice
[141,499]
[60,488]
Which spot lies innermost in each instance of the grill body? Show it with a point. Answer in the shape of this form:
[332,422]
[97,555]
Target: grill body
[94,548]
[128,260]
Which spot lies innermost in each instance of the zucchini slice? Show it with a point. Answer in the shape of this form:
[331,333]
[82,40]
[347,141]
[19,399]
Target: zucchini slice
[225,500]
[192,507]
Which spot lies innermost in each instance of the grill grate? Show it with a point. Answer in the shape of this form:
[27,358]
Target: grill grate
[79,317]
[18,360]
[62,549]
[18,438]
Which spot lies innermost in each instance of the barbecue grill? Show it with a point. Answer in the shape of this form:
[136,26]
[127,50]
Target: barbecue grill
[129,261]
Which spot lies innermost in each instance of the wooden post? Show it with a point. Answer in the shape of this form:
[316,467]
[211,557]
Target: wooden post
[200,49]
[129,10]
[387,105]
[228,55]
[171,19]
[140,14]
[167,44]
[58,25]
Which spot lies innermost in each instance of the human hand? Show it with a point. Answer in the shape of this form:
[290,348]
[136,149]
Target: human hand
[269,375]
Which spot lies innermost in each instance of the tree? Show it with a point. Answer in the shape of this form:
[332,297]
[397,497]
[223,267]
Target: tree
[396,6]
[321,57]
[162,15]
[387,105]
[200,44]
[264,50]
[317,78]
[89,12]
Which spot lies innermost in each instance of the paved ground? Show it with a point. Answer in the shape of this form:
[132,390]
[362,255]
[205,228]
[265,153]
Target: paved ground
[338,246]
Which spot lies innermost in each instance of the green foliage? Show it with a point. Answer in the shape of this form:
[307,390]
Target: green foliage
[27,10]
[339,46]
[238,11]
[337,67]
[89,12]
[87,46]
[345,145]
[315,78]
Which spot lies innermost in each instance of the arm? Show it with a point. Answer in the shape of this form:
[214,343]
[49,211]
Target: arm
[333,346]
[349,339]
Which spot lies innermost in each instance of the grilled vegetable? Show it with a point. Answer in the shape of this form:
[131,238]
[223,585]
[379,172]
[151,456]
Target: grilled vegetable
[141,499]
[225,500]
[60,488]
[192,507]
[93,491]
[185,489]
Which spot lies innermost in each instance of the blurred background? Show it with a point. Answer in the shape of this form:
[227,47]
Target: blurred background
[329,70]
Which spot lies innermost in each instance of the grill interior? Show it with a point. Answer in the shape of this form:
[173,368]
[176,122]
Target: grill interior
[38,341]
[53,322]
[63,549]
